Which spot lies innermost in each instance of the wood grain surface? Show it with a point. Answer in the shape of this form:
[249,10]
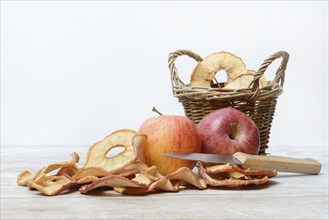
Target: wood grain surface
[287,196]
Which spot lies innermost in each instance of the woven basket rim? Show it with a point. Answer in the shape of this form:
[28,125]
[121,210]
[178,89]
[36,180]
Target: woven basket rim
[274,90]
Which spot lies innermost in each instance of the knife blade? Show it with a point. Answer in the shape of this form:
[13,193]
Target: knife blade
[212,158]
[269,162]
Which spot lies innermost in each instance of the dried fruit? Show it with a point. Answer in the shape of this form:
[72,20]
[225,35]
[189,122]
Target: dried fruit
[232,176]
[170,182]
[111,181]
[70,171]
[89,174]
[238,77]
[222,168]
[205,70]
[124,163]
[132,169]
[161,184]
[122,138]
[243,81]
[53,185]
[87,179]
[186,175]
[25,177]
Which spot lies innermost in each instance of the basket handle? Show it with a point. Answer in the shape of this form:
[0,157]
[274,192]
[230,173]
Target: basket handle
[175,80]
[280,73]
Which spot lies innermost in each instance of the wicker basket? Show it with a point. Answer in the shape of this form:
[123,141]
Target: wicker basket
[258,103]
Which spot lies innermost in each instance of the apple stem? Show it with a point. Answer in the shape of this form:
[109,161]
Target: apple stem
[233,129]
[156,110]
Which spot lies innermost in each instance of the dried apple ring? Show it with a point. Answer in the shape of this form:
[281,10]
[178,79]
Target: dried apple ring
[25,177]
[53,185]
[153,180]
[133,169]
[232,182]
[87,179]
[71,171]
[162,184]
[170,182]
[128,139]
[111,181]
[89,174]
[186,175]
[90,171]
[243,81]
[205,70]
[232,176]
[221,168]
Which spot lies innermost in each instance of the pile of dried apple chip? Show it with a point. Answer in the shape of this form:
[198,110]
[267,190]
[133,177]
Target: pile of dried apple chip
[233,176]
[125,174]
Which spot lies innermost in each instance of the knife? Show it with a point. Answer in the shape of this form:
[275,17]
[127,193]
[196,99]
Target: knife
[268,162]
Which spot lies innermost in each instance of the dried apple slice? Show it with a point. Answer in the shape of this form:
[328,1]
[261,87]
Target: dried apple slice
[133,169]
[218,168]
[55,166]
[87,179]
[53,185]
[153,173]
[154,181]
[237,175]
[128,139]
[243,81]
[230,177]
[205,70]
[186,175]
[222,168]
[232,182]
[162,184]
[71,171]
[89,174]
[136,167]
[170,182]
[111,181]
[25,177]
[90,171]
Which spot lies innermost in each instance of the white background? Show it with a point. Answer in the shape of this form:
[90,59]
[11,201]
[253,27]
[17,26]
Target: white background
[73,72]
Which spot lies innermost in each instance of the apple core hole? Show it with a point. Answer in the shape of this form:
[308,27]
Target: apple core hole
[233,131]
[220,76]
[115,151]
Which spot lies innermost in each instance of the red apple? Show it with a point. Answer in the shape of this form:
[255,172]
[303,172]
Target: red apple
[168,134]
[228,130]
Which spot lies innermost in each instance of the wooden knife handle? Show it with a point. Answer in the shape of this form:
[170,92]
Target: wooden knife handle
[278,163]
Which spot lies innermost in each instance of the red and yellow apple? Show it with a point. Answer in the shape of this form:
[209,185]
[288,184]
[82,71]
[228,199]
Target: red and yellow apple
[168,134]
[228,130]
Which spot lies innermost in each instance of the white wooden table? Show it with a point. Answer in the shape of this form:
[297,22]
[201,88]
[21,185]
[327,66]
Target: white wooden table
[287,196]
